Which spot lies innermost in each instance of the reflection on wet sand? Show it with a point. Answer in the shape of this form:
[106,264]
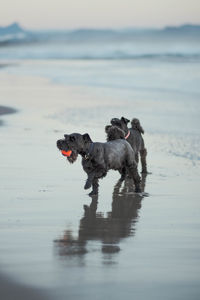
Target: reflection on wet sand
[120,223]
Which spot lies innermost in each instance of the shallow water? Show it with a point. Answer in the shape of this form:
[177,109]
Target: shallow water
[53,235]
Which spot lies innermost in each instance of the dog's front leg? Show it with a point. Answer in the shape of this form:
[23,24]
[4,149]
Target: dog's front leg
[89,180]
[95,187]
[123,174]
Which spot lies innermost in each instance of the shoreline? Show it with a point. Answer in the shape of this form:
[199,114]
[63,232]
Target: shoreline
[5,110]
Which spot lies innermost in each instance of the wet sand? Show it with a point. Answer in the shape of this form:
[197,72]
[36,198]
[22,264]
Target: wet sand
[11,290]
[57,240]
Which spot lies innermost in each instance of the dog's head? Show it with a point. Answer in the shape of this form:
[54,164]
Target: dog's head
[73,144]
[136,125]
[114,133]
[121,123]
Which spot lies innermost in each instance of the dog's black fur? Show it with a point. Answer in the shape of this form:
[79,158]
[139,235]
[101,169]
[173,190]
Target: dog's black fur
[114,133]
[133,135]
[99,158]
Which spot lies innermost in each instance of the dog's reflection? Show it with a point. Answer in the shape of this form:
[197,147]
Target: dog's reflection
[94,226]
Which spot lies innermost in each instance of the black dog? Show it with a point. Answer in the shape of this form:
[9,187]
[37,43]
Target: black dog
[134,137]
[99,158]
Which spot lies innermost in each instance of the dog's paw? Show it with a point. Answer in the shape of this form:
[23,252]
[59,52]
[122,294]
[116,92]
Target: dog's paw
[138,190]
[87,185]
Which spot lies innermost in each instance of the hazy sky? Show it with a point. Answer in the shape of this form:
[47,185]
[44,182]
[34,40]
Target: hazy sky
[37,14]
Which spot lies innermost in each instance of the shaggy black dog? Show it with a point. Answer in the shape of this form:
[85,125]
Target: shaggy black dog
[133,135]
[99,158]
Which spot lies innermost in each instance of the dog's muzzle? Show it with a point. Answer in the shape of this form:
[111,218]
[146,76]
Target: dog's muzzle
[60,144]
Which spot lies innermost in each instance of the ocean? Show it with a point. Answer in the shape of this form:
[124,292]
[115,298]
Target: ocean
[155,64]
[171,42]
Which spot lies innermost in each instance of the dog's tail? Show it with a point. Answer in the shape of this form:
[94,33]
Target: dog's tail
[136,125]
[114,133]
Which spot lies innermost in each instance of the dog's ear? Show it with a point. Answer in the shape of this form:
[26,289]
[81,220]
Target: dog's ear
[126,121]
[107,128]
[86,138]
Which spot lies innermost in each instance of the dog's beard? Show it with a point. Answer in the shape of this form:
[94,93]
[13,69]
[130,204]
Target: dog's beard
[73,157]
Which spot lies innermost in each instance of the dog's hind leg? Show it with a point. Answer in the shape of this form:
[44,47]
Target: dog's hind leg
[136,177]
[137,158]
[123,174]
[143,154]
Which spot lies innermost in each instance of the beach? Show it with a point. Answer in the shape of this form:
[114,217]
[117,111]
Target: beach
[59,243]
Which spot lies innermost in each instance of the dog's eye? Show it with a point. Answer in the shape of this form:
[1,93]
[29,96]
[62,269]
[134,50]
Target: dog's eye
[72,138]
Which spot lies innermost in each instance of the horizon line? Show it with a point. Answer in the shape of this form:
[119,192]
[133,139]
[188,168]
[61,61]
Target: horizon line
[103,28]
